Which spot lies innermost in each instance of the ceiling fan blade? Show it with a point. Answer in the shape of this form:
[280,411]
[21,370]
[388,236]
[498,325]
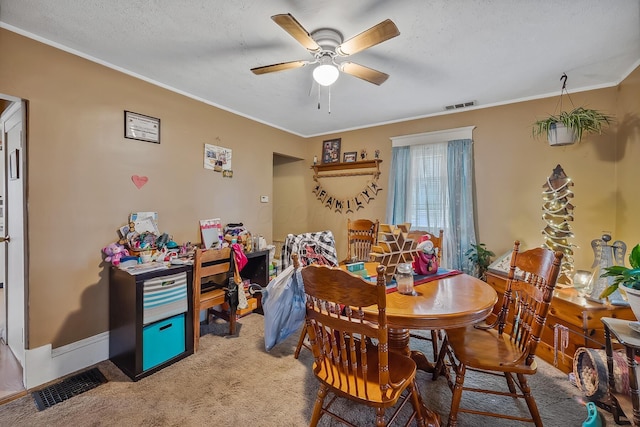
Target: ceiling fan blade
[279,67]
[297,31]
[369,74]
[377,34]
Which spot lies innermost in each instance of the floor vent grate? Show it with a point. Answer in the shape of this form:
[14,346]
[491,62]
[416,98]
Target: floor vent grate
[68,388]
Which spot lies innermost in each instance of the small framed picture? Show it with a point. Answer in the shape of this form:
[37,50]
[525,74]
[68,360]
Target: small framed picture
[350,156]
[331,150]
[141,127]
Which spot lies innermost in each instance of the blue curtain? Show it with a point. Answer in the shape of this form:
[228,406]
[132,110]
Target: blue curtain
[398,179]
[462,224]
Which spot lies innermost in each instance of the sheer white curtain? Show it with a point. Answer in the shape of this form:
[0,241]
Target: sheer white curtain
[427,200]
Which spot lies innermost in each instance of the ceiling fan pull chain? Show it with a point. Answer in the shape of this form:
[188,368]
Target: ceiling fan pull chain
[329,99]
[318,97]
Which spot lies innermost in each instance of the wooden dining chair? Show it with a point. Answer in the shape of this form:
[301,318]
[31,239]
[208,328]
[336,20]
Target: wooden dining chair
[213,272]
[504,349]
[362,234]
[351,355]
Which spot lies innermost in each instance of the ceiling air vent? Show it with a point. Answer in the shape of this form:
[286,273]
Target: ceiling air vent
[460,105]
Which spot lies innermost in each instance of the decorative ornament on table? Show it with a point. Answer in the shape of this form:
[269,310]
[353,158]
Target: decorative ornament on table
[557,213]
[426,260]
[394,247]
[605,256]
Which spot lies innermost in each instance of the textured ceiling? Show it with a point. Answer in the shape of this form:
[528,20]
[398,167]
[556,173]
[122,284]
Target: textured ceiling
[448,52]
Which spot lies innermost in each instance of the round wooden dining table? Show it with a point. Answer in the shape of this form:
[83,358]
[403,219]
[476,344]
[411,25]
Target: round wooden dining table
[445,303]
[449,302]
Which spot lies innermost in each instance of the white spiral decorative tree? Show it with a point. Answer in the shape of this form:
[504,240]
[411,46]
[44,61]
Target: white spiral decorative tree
[557,213]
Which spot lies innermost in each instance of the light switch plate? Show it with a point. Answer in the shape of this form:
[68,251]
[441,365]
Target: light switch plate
[264,199]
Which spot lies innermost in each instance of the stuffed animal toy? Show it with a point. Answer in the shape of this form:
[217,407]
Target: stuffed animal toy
[426,262]
[114,252]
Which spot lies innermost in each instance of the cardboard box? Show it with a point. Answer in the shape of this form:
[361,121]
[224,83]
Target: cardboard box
[253,304]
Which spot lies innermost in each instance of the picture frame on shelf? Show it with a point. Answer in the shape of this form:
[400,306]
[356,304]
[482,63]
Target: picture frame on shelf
[331,150]
[350,156]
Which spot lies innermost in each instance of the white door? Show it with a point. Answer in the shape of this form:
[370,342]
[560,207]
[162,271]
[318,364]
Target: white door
[3,251]
[13,121]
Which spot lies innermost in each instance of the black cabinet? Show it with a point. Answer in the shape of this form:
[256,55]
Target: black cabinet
[257,267]
[150,319]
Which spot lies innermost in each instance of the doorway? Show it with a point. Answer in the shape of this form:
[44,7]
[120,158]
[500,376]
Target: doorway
[289,190]
[12,248]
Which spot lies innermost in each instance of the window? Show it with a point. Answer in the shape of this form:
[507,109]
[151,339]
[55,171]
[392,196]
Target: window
[430,186]
[426,204]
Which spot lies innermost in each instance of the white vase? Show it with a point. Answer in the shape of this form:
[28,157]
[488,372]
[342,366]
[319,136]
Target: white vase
[559,134]
[633,296]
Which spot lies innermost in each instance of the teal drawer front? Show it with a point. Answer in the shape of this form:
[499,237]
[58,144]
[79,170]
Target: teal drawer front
[163,340]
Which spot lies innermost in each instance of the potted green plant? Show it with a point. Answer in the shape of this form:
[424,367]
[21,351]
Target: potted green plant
[569,126]
[480,258]
[629,278]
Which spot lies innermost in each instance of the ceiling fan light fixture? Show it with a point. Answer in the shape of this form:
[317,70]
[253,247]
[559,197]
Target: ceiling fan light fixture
[326,74]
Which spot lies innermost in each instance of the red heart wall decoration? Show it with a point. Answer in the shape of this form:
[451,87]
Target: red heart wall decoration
[139,181]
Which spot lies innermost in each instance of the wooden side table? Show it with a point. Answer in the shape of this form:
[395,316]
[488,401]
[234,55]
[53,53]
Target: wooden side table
[621,403]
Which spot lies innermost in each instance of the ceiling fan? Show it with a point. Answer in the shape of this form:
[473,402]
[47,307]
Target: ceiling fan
[327,45]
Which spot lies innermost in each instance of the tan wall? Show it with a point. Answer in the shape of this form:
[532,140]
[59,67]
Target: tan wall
[510,169]
[80,168]
[628,174]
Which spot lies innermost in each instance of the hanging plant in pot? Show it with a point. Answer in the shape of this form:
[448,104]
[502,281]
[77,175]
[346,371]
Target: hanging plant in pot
[629,278]
[567,127]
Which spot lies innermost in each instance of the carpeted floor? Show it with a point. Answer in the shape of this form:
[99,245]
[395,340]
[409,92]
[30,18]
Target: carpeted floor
[232,381]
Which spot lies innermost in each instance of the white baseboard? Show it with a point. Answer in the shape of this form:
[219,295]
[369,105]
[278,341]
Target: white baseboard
[44,364]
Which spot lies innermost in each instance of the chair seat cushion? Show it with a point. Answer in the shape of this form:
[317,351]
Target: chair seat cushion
[402,371]
[486,349]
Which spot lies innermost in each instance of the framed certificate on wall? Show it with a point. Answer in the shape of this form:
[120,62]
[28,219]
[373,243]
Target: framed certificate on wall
[141,127]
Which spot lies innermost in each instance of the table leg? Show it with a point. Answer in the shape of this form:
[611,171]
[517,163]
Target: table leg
[399,341]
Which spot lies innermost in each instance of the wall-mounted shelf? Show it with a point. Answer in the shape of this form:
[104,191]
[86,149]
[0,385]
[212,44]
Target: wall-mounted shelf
[319,171]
